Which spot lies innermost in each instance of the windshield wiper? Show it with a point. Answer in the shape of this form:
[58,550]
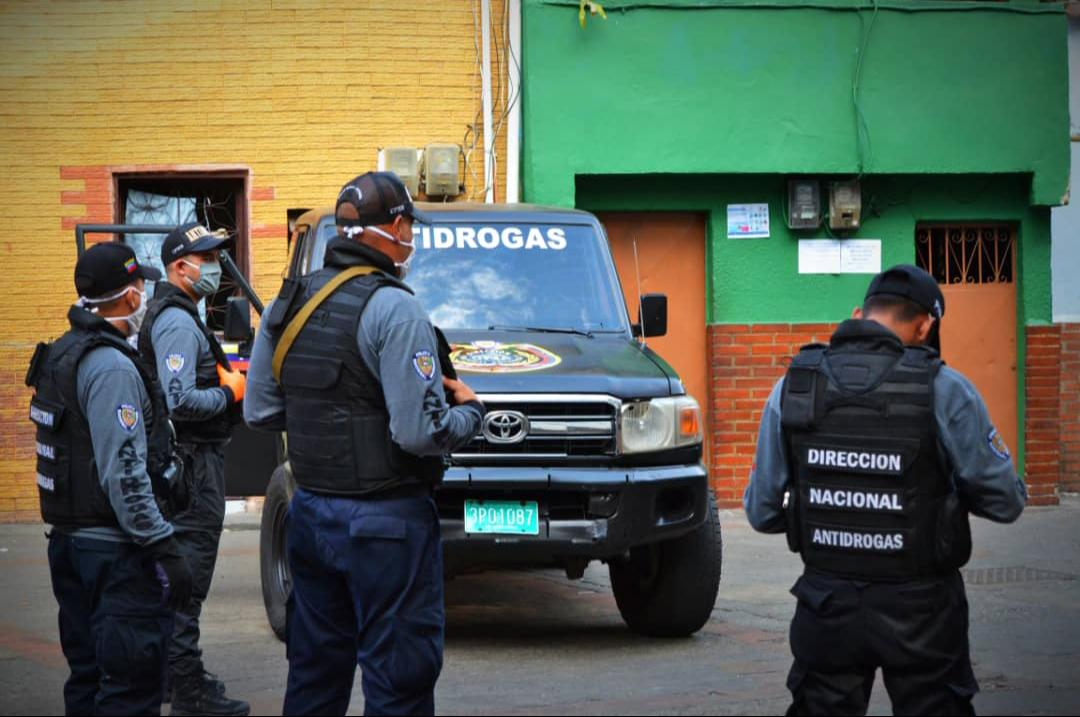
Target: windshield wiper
[542,330]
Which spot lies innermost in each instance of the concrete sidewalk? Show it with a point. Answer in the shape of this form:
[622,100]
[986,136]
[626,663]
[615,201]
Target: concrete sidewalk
[534,642]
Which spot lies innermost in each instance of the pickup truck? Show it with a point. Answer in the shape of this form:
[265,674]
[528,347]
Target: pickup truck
[590,450]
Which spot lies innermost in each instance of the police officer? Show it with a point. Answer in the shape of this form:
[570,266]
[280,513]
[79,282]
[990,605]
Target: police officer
[103,459]
[346,363]
[202,391]
[871,454]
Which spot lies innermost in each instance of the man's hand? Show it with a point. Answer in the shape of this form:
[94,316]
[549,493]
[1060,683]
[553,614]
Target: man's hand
[235,381]
[459,392]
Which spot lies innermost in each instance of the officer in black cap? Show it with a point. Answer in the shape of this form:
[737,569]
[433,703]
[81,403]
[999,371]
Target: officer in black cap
[203,393]
[103,462]
[361,395]
[870,456]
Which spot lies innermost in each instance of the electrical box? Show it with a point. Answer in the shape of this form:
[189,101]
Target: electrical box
[804,204]
[845,205]
[405,163]
[441,175]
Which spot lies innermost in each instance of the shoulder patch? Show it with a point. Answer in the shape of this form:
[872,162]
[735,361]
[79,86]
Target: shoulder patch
[174,362]
[424,364]
[997,444]
[128,416]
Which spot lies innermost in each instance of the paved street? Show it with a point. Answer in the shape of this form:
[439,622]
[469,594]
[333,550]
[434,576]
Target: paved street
[524,643]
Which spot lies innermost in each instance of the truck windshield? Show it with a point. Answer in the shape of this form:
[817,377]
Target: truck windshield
[480,276]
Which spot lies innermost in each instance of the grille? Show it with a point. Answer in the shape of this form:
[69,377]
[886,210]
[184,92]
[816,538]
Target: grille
[562,428]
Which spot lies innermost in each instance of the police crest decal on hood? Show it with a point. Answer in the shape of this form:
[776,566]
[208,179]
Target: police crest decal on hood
[496,357]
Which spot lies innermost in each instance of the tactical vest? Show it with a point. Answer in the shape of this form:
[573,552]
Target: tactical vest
[337,424]
[871,495]
[69,487]
[210,430]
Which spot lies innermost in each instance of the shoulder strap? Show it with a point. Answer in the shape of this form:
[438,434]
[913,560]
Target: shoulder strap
[803,392]
[294,327]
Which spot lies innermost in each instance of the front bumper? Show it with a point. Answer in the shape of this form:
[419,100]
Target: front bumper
[585,513]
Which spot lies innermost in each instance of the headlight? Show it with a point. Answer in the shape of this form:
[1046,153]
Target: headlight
[659,424]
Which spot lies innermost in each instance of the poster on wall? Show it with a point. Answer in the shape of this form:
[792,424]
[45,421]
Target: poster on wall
[839,256]
[748,221]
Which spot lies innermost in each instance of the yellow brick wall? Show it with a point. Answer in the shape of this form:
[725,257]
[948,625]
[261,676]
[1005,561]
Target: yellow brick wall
[300,93]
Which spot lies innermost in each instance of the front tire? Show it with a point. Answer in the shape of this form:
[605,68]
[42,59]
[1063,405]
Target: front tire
[273,565]
[668,589]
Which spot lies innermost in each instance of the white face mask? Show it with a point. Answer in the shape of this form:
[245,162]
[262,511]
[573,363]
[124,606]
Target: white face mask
[134,319]
[401,266]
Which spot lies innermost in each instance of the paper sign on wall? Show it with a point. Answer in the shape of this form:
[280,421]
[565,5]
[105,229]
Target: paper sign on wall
[839,256]
[747,221]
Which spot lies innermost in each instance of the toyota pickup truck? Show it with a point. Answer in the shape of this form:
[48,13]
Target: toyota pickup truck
[591,449]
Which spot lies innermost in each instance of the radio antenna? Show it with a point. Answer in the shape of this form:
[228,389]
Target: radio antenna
[641,303]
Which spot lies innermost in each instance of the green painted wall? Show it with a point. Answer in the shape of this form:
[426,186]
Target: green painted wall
[757,280]
[723,86]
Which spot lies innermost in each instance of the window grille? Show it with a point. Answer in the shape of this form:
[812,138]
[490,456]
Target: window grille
[966,253]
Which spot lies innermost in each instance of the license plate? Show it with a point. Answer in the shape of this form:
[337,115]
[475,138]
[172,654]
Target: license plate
[508,517]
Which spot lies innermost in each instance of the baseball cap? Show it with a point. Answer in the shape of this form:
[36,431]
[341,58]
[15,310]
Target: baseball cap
[106,267]
[375,198]
[912,283]
[190,238]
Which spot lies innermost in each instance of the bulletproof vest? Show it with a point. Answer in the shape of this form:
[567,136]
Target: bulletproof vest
[337,424]
[211,430]
[67,476]
[871,495]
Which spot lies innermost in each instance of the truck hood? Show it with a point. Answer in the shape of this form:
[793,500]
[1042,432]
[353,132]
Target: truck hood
[530,362]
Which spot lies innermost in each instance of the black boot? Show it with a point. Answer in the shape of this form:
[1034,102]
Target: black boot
[203,694]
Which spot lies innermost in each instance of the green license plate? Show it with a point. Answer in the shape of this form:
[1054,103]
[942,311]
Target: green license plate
[508,517]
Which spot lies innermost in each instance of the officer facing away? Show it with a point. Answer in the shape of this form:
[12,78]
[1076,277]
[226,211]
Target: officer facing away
[200,388]
[346,363]
[103,459]
[871,453]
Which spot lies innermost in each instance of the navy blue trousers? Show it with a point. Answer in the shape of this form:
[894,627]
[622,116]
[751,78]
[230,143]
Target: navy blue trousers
[113,628]
[367,589]
[916,632]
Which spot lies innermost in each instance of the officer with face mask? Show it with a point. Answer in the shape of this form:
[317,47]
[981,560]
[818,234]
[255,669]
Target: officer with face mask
[202,391]
[346,362]
[870,456]
[103,464]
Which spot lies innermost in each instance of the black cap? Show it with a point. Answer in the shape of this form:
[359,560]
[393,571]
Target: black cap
[106,267]
[912,283]
[190,238]
[375,198]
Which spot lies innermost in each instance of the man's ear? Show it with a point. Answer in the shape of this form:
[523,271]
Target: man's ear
[857,313]
[922,329]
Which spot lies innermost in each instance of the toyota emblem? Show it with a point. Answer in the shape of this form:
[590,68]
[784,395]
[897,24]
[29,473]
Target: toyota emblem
[505,427]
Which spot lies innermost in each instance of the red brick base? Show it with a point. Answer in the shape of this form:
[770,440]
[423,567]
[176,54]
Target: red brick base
[1042,414]
[745,362]
[1070,407]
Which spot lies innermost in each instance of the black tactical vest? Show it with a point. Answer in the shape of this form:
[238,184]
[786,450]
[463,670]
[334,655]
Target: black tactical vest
[871,493]
[337,424]
[67,476]
[211,430]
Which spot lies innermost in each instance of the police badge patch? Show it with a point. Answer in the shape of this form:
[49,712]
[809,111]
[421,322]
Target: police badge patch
[128,416]
[174,362]
[424,363]
[997,444]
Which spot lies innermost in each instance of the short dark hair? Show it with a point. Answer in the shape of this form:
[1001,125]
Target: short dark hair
[900,308]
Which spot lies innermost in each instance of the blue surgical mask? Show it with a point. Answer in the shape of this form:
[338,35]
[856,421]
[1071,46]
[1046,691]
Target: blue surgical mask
[209,277]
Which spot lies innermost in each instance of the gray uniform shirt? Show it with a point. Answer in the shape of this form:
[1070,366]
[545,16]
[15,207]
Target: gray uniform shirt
[394,332]
[982,466]
[109,388]
[181,351]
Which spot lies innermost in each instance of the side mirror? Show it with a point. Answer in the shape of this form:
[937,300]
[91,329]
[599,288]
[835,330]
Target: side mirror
[653,318]
[238,319]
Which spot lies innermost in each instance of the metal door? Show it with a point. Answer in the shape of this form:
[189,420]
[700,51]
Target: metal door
[671,260]
[975,265]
